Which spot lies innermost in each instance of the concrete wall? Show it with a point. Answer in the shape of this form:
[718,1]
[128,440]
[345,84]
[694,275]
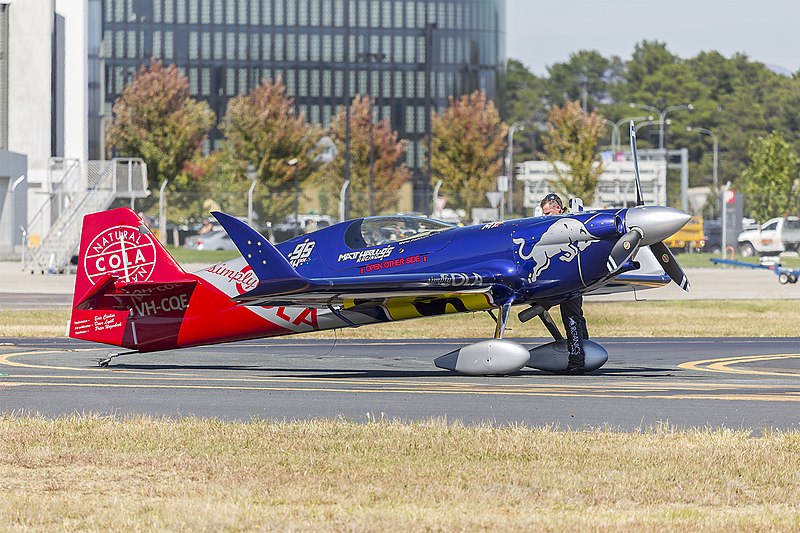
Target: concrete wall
[13,205]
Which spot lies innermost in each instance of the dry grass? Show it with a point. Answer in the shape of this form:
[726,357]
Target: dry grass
[689,318]
[144,474]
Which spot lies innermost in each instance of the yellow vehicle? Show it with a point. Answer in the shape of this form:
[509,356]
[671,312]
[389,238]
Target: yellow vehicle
[689,238]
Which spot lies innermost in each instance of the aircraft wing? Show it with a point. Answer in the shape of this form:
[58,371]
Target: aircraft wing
[280,284]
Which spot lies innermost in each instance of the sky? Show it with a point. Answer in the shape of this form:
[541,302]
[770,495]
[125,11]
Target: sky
[543,32]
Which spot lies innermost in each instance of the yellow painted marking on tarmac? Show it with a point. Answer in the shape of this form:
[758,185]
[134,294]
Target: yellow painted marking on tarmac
[5,359]
[723,365]
[400,390]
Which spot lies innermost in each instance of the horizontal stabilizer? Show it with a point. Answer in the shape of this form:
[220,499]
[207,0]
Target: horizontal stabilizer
[274,273]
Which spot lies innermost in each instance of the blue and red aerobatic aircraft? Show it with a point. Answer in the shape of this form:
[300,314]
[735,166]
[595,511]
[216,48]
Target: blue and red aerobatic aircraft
[131,293]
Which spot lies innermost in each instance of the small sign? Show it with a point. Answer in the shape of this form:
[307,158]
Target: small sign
[502,183]
[730,196]
[494,198]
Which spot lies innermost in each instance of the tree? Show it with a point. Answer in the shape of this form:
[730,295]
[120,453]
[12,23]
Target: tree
[770,181]
[389,171]
[587,76]
[572,138]
[263,131]
[467,145]
[157,120]
[526,103]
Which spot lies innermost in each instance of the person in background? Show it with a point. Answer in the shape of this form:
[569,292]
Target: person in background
[572,309]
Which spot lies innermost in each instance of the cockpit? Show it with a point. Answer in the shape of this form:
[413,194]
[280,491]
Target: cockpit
[373,231]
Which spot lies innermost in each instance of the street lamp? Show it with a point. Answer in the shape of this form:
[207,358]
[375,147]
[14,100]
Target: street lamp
[617,145]
[647,123]
[510,162]
[661,116]
[293,163]
[371,57]
[715,152]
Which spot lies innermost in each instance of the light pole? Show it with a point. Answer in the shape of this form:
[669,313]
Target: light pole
[251,173]
[293,163]
[661,116]
[370,57]
[616,125]
[715,152]
[510,163]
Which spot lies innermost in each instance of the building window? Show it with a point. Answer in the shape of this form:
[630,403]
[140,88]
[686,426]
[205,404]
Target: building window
[205,82]
[217,12]
[157,44]
[363,14]
[230,46]
[327,13]
[278,53]
[254,14]
[314,89]
[302,47]
[266,50]
[302,83]
[230,12]
[169,12]
[386,12]
[242,12]
[326,84]
[218,53]
[242,46]
[242,81]
[181,12]
[205,45]
[291,47]
[193,81]
[205,11]
[278,13]
[254,47]
[194,48]
[230,81]
[313,54]
[338,14]
[291,13]
[338,48]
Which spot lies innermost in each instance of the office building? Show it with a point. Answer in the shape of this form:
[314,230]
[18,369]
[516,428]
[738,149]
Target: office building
[410,55]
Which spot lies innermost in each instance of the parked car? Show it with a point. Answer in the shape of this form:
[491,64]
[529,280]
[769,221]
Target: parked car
[775,236]
[214,240]
[308,223]
[712,231]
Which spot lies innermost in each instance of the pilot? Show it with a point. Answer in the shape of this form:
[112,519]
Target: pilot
[572,309]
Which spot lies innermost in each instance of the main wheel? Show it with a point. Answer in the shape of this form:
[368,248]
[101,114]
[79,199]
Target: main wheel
[746,249]
[783,278]
[792,278]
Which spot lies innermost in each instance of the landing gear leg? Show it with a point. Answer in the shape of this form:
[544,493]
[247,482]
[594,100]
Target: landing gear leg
[103,363]
[502,320]
[544,315]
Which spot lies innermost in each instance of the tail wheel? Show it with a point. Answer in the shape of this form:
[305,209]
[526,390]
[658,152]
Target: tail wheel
[746,249]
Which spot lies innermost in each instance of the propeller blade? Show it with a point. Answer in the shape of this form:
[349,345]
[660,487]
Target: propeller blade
[670,265]
[623,250]
[639,198]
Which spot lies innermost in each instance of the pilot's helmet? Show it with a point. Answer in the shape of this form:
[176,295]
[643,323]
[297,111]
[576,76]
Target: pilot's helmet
[552,197]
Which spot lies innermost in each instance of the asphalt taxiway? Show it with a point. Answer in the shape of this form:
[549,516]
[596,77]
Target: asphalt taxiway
[735,383]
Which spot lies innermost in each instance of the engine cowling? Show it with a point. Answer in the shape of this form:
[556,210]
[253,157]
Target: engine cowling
[554,356]
[486,358]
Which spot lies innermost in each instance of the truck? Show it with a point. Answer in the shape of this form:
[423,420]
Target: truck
[775,236]
[690,238]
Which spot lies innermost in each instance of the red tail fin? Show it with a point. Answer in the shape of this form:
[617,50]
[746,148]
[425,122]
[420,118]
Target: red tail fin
[119,243]
[119,253]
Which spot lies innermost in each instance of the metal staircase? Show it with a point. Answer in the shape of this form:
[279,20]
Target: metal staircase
[54,231]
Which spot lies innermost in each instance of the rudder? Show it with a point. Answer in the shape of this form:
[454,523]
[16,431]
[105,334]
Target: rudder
[118,250]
